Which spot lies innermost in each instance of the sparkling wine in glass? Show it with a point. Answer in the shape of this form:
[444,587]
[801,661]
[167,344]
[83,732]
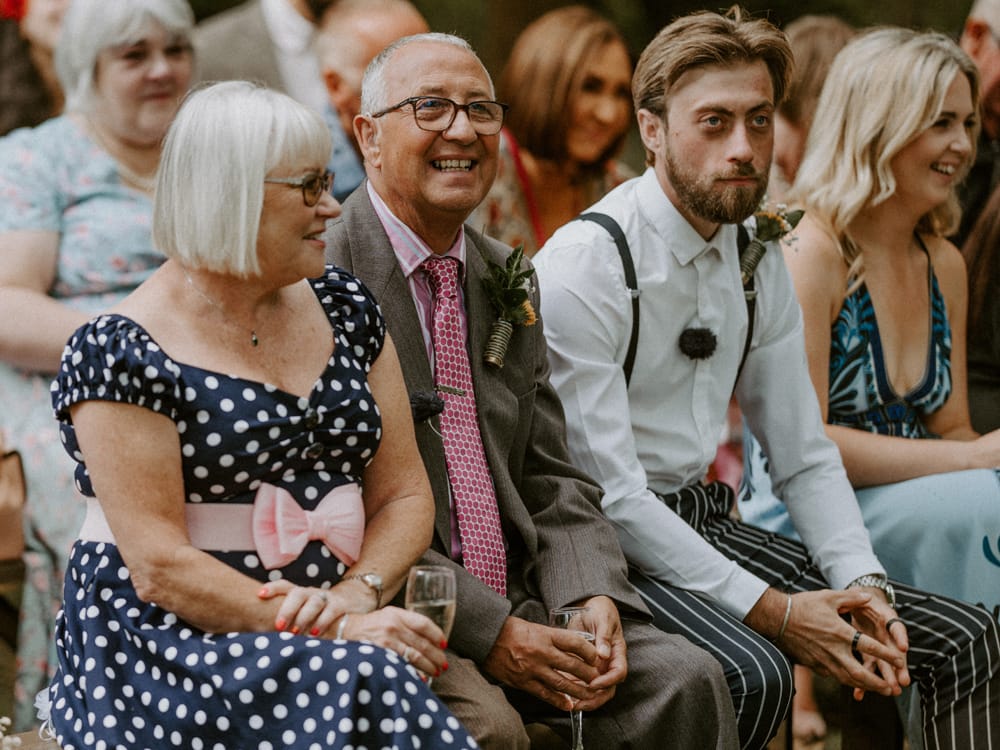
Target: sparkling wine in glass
[430,591]
[579,620]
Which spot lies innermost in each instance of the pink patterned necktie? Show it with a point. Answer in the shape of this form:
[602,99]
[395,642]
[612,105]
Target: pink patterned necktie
[471,487]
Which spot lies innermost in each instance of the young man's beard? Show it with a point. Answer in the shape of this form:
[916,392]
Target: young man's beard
[722,206]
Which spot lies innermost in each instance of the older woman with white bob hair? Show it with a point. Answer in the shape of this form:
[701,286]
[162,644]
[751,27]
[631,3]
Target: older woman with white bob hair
[75,214]
[255,494]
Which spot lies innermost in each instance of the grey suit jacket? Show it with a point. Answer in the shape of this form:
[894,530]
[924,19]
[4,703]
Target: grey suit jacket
[560,546]
[235,45]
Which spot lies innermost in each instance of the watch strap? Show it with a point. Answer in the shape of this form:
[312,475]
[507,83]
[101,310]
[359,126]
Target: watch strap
[367,580]
[878,581]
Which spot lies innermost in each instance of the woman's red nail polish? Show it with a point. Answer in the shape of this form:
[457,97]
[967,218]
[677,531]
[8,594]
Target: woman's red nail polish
[262,593]
[444,644]
[280,624]
[314,631]
[445,667]
[295,630]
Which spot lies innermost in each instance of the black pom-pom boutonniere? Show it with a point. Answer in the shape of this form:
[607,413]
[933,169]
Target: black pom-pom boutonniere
[424,405]
[698,343]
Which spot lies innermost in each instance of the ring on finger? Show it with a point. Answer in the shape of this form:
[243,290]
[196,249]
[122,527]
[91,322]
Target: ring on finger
[893,621]
[854,646]
[406,654]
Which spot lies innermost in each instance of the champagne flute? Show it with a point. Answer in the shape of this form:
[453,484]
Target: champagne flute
[579,620]
[430,591]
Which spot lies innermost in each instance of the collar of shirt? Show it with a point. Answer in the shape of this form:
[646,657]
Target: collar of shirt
[410,252]
[680,237]
[291,33]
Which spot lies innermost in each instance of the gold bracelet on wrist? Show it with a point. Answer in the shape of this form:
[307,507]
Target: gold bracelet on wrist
[784,623]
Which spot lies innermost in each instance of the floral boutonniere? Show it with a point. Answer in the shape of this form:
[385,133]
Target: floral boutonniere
[508,288]
[771,225]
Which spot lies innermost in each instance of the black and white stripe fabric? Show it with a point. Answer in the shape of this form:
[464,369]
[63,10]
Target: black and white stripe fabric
[954,655]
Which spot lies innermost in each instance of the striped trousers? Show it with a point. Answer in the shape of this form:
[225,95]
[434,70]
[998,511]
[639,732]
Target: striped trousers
[954,655]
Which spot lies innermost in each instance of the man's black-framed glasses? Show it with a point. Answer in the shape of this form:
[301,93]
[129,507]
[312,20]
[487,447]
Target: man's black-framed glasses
[436,113]
[313,185]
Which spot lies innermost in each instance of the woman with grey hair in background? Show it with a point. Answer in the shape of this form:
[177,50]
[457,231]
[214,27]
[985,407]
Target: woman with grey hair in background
[75,211]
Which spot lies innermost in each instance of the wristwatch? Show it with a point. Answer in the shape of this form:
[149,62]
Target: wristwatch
[372,581]
[878,581]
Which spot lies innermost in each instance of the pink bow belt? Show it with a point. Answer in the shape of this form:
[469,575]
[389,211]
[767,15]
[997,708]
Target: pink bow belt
[276,527]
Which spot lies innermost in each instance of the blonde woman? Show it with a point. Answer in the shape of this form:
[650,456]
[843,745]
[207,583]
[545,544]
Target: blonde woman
[883,295]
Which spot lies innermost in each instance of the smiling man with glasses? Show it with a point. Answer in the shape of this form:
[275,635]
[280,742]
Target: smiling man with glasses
[519,525]
[436,114]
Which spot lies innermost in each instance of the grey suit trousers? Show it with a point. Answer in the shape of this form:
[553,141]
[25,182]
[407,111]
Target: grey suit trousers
[673,698]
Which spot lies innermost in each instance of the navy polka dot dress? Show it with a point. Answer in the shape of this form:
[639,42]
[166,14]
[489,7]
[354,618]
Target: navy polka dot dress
[132,675]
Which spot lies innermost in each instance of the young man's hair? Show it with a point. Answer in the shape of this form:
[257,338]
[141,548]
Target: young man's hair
[706,38]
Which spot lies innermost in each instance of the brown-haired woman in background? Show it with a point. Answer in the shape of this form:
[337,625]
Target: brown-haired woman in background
[567,81]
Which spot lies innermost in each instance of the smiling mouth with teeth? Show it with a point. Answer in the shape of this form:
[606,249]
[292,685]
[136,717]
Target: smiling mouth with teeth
[947,169]
[453,165]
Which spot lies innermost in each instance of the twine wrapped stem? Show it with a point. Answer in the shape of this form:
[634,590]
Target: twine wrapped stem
[496,345]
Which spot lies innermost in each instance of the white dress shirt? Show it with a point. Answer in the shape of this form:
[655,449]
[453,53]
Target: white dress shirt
[676,406]
[298,64]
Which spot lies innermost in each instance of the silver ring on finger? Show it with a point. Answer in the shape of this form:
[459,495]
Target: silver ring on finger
[406,654]
[854,646]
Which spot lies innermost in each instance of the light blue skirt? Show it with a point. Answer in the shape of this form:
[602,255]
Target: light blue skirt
[940,533]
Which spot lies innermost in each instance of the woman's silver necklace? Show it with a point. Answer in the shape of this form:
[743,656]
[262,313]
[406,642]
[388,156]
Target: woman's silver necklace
[254,341]
[145,183]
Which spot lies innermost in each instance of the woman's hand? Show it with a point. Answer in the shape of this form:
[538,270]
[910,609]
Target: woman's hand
[413,636]
[320,613]
[307,610]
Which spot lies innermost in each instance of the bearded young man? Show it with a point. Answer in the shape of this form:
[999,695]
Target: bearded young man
[705,91]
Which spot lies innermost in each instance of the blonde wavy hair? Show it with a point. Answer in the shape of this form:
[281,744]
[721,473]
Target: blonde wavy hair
[884,89]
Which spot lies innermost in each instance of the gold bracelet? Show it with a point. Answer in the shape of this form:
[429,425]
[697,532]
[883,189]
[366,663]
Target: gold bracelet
[784,623]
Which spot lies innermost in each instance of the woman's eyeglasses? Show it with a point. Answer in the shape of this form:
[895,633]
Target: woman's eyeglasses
[313,185]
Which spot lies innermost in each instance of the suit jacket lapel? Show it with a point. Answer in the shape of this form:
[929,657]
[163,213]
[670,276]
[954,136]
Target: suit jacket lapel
[374,261]
[476,313]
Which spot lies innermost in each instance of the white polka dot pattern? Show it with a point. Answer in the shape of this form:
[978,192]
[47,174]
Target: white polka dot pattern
[472,491]
[133,675]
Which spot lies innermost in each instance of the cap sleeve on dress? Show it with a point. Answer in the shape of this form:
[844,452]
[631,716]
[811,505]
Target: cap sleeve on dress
[112,358]
[354,314]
